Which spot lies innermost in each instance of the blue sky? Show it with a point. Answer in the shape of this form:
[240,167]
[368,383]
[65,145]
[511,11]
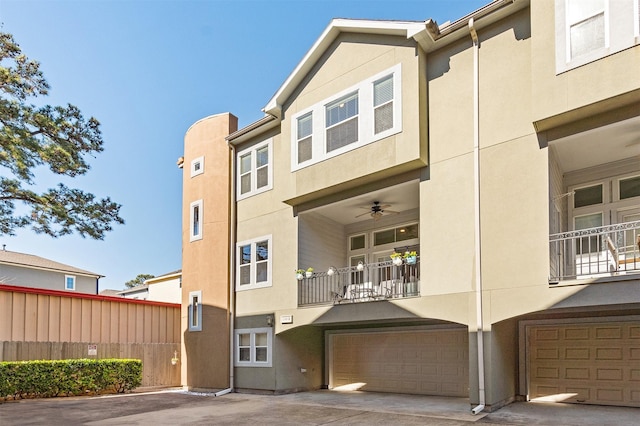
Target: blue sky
[147,70]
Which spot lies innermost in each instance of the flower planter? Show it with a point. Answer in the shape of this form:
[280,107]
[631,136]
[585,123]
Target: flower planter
[308,274]
[397,261]
[411,260]
[299,276]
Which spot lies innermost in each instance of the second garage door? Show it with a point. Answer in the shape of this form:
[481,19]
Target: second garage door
[597,363]
[429,362]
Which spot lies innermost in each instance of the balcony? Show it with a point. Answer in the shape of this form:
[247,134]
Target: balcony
[362,283]
[600,252]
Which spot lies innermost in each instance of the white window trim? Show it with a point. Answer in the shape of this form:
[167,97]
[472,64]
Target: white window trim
[253,284]
[73,278]
[567,34]
[622,31]
[253,362]
[192,236]
[366,123]
[636,21]
[198,323]
[199,160]
[254,190]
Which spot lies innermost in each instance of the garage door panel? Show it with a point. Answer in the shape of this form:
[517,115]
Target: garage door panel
[431,362]
[590,363]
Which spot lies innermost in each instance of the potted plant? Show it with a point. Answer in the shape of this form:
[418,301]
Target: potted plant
[410,257]
[300,274]
[360,266]
[309,273]
[396,258]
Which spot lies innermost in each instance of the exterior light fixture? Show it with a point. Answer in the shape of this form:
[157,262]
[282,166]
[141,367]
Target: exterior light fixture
[175,358]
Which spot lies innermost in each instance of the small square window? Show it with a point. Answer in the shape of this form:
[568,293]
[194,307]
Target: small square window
[358,242]
[197,166]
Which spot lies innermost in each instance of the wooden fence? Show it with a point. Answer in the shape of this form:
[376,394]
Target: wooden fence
[47,324]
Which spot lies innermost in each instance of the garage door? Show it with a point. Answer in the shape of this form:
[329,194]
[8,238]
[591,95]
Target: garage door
[429,362]
[586,363]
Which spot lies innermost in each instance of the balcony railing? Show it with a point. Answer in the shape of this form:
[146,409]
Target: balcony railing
[372,281]
[595,252]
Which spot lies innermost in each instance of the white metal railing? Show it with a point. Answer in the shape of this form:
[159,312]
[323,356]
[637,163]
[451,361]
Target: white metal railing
[601,251]
[368,282]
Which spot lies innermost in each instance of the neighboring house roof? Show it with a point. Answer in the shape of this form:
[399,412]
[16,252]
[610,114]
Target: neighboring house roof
[137,289]
[36,262]
[109,292]
[164,277]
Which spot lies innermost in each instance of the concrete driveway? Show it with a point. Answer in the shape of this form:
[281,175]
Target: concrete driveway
[307,408]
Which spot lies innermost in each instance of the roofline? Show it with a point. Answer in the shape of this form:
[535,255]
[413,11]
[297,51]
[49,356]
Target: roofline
[336,26]
[428,34]
[162,278]
[32,290]
[265,123]
[42,268]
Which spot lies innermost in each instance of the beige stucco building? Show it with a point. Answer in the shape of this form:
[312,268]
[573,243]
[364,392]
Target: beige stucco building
[503,148]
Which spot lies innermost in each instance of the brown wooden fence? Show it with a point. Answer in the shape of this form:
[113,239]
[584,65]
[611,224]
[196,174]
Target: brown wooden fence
[48,324]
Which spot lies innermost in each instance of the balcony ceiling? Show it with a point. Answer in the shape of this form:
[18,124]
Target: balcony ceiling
[401,197]
[606,144]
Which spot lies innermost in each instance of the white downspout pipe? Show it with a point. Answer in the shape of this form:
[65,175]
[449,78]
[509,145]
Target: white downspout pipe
[232,294]
[476,196]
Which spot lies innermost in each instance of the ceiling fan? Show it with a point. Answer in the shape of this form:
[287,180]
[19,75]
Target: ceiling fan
[376,211]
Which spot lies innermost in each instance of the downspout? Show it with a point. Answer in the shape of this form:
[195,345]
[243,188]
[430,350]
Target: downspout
[232,294]
[476,196]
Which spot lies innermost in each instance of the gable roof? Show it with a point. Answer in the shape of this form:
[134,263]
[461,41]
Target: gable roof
[428,34]
[336,26]
[36,262]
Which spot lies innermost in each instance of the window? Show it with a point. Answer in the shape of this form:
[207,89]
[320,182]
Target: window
[305,131]
[588,30]
[195,310]
[383,104]
[342,122]
[195,221]
[629,187]
[253,264]
[70,282]
[588,196]
[357,242]
[197,166]
[586,27]
[254,347]
[362,114]
[394,235]
[254,170]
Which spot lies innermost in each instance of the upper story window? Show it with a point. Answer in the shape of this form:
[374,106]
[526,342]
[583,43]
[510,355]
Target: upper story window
[195,221]
[253,263]
[364,113]
[69,282]
[587,30]
[586,26]
[342,122]
[197,166]
[255,171]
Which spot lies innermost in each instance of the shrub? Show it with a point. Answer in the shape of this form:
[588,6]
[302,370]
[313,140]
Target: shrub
[42,379]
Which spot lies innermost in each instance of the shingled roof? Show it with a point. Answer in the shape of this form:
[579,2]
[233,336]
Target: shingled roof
[36,262]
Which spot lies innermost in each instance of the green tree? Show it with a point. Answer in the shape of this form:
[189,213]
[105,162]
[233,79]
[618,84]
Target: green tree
[56,137]
[140,279]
